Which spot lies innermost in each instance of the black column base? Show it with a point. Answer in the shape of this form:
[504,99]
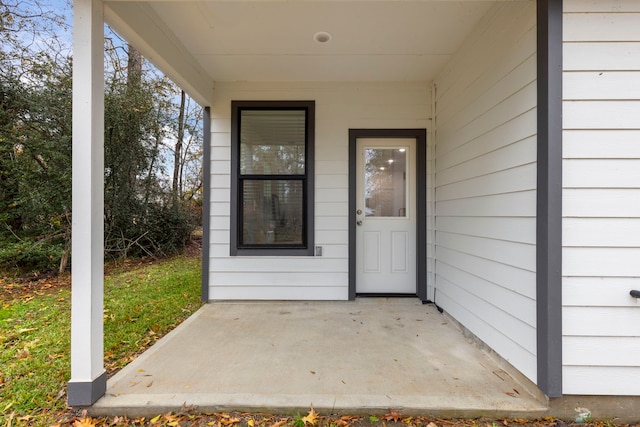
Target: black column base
[86,393]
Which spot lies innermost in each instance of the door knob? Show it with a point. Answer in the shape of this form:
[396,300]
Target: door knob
[358,222]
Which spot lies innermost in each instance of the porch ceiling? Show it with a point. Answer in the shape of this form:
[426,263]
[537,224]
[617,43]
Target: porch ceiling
[200,42]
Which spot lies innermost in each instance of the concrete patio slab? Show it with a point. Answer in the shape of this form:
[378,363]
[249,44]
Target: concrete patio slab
[362,356]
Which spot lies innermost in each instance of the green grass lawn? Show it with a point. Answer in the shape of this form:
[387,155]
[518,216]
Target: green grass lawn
[141,304]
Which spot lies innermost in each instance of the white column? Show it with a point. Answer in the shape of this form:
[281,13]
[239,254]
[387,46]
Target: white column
[88,377]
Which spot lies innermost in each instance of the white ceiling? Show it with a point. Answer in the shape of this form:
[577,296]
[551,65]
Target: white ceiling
[372,41]
[272,40]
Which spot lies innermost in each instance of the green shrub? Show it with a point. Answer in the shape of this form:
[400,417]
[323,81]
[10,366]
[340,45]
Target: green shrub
[29,256]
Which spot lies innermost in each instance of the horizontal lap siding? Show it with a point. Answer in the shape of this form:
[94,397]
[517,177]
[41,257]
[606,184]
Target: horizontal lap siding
[339,106]
[485,178]
[601,208]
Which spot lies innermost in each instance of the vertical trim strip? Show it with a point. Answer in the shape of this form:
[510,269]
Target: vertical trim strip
[233,209]
[353,136]
[421,201]
[421,226]
[206,200]
[549,198]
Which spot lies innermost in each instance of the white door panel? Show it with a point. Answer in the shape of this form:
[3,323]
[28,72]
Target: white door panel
[399,252]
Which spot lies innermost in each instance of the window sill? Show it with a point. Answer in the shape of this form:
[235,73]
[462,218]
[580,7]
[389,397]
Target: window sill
[273,252]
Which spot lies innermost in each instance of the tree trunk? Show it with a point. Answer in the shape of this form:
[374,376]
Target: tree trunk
[177,156]
[134,67]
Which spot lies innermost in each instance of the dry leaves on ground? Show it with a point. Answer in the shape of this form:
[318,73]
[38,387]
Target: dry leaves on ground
[189,417]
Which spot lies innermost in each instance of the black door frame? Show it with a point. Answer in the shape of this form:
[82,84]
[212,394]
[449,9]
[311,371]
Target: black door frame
[420,135]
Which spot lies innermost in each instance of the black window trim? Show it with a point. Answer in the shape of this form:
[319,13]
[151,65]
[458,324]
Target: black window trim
[308,201]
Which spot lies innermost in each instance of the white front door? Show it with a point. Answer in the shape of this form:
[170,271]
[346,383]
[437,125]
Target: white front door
[386,216]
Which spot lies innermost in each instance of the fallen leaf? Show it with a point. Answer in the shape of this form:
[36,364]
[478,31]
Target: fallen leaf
[187,408]
[311,418]
[84,422]
[10,419]
[432,424]
[251,423]
[118,421]
[393,415]
[24,354]
[155,419]
[280,423]
[171,420]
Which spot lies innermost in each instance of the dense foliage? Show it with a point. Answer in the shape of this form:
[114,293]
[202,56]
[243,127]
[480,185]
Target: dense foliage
[149,209]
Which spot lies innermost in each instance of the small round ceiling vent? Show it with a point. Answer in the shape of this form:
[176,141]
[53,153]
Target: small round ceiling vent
[322,37]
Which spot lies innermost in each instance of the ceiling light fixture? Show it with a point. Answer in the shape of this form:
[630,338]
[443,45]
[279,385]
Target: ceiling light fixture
[322,37]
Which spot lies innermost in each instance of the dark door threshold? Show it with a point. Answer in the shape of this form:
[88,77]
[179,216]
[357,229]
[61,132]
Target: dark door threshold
[384,295]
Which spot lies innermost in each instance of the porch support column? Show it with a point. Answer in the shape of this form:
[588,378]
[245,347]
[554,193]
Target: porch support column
[549,194]
[206,200]
[88,376]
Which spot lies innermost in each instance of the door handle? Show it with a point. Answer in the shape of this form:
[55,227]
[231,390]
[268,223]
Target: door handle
[359,222]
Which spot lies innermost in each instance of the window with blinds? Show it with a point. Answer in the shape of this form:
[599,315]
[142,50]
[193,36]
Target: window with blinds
[272,177]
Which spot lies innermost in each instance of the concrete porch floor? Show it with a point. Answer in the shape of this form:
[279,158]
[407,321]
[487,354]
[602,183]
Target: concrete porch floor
[362,356]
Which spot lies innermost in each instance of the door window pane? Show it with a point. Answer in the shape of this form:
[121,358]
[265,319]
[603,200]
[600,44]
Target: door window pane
[385,182]
[272,212]
[272,142]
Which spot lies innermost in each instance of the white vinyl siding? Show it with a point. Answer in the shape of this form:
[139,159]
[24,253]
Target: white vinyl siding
[485,181]
[601,209]
[339,106]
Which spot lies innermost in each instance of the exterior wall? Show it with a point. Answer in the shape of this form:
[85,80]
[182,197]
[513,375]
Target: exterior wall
[601,209]
[485,181]
[339,106]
